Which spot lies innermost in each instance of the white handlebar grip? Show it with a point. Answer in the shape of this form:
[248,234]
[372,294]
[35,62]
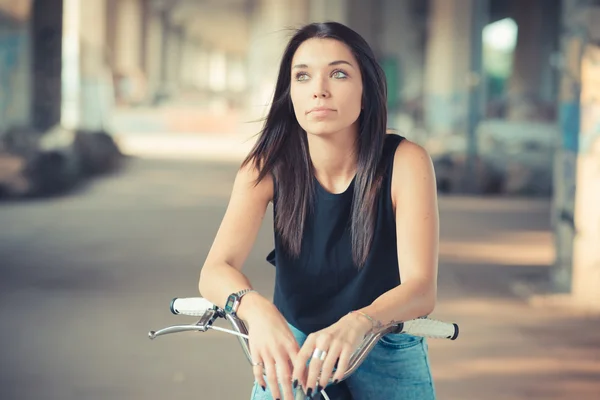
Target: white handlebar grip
[430,328]
[193,306]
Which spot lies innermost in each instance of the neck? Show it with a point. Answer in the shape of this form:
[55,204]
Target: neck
[334,158]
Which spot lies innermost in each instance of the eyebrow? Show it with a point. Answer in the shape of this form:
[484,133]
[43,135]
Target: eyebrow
[337,62]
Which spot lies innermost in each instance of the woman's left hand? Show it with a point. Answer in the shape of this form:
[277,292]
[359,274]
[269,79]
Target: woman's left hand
[327,347]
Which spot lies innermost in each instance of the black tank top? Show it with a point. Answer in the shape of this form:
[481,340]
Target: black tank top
[323,284]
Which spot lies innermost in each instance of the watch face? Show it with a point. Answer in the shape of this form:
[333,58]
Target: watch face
[230,303]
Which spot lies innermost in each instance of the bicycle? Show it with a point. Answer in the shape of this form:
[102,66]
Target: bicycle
[209,313]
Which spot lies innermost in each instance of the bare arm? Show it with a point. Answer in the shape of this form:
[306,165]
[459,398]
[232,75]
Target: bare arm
[221,274]
[414,195]
[272,344]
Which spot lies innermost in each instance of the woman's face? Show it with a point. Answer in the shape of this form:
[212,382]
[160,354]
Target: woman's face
[326,86]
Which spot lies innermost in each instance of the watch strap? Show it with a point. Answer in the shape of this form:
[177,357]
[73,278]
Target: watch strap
[243,292]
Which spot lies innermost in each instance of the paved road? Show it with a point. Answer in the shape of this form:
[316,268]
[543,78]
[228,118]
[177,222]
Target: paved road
[84,277]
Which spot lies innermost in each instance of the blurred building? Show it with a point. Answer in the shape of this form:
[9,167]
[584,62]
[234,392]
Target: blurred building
[503,93]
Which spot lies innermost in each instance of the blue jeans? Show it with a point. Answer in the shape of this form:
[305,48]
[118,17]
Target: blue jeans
[396,369]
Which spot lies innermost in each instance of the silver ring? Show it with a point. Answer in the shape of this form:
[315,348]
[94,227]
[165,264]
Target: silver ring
[258,364]
[320,354]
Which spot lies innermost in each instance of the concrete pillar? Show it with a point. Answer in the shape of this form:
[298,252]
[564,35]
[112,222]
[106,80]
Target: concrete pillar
[524,83]
[92,34]
[125,27]
[236,77]
[202,67]
[402,58]
[152,50]
[586,246]
[46,24]
[173,42]
[127,46]
[362,16]
[217,71]
[577,174]
[447,69]
[191,58]
[268,38]
[71,65]
[401,39]
[365,18]
[15,71]
[96,91]
[331,10]
[195,59]
[549,48]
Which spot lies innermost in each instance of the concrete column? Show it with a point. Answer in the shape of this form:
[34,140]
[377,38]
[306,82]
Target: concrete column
[365,18]
[217,71]
[549,74]
[268,38]
[46,23]
[402,58]
[236,77]
[173,41]
[15,72]
[447,66]
[127,46]
[191,63]
[194,60]
[331,10]
[202,67]
[125,27]
[586,246]
[186,66]
[362,16]
[577,177]
[71,65]
[401,39]
[152,50]
[92,34]
[524,83]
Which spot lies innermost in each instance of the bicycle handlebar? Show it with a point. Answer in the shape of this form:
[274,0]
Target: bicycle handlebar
[209,313]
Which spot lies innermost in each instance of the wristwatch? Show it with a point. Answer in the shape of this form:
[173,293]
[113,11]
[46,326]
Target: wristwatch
[233,301]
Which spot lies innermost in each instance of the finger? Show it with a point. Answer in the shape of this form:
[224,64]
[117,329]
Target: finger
[292,352]
[284,372]
[322,345]
[272,378]
[342,363]
[301,360]
[257,370]
[329,364]
[314,369]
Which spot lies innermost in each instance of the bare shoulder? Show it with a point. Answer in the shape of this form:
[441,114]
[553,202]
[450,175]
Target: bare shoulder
[410,153]
[246,182]
[412,158]
[413,168]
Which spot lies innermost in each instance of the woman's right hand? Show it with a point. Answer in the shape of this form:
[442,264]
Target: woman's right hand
[272,345]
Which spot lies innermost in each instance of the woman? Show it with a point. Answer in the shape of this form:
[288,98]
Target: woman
[355,213]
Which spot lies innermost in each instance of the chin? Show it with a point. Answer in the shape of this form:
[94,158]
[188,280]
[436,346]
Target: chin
[322,129]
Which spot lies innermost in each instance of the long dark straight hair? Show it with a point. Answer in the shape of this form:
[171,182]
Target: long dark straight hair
[282,147]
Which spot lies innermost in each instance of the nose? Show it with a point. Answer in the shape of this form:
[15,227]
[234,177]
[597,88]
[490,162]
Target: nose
[321,94]
[321,90]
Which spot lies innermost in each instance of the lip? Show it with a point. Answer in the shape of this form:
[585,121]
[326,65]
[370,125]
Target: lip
[320,110]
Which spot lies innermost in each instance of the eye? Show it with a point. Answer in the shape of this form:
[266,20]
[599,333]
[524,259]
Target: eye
[339,74]
[301,76]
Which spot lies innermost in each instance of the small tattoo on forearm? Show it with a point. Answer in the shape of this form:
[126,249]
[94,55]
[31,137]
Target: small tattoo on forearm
[391,323]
